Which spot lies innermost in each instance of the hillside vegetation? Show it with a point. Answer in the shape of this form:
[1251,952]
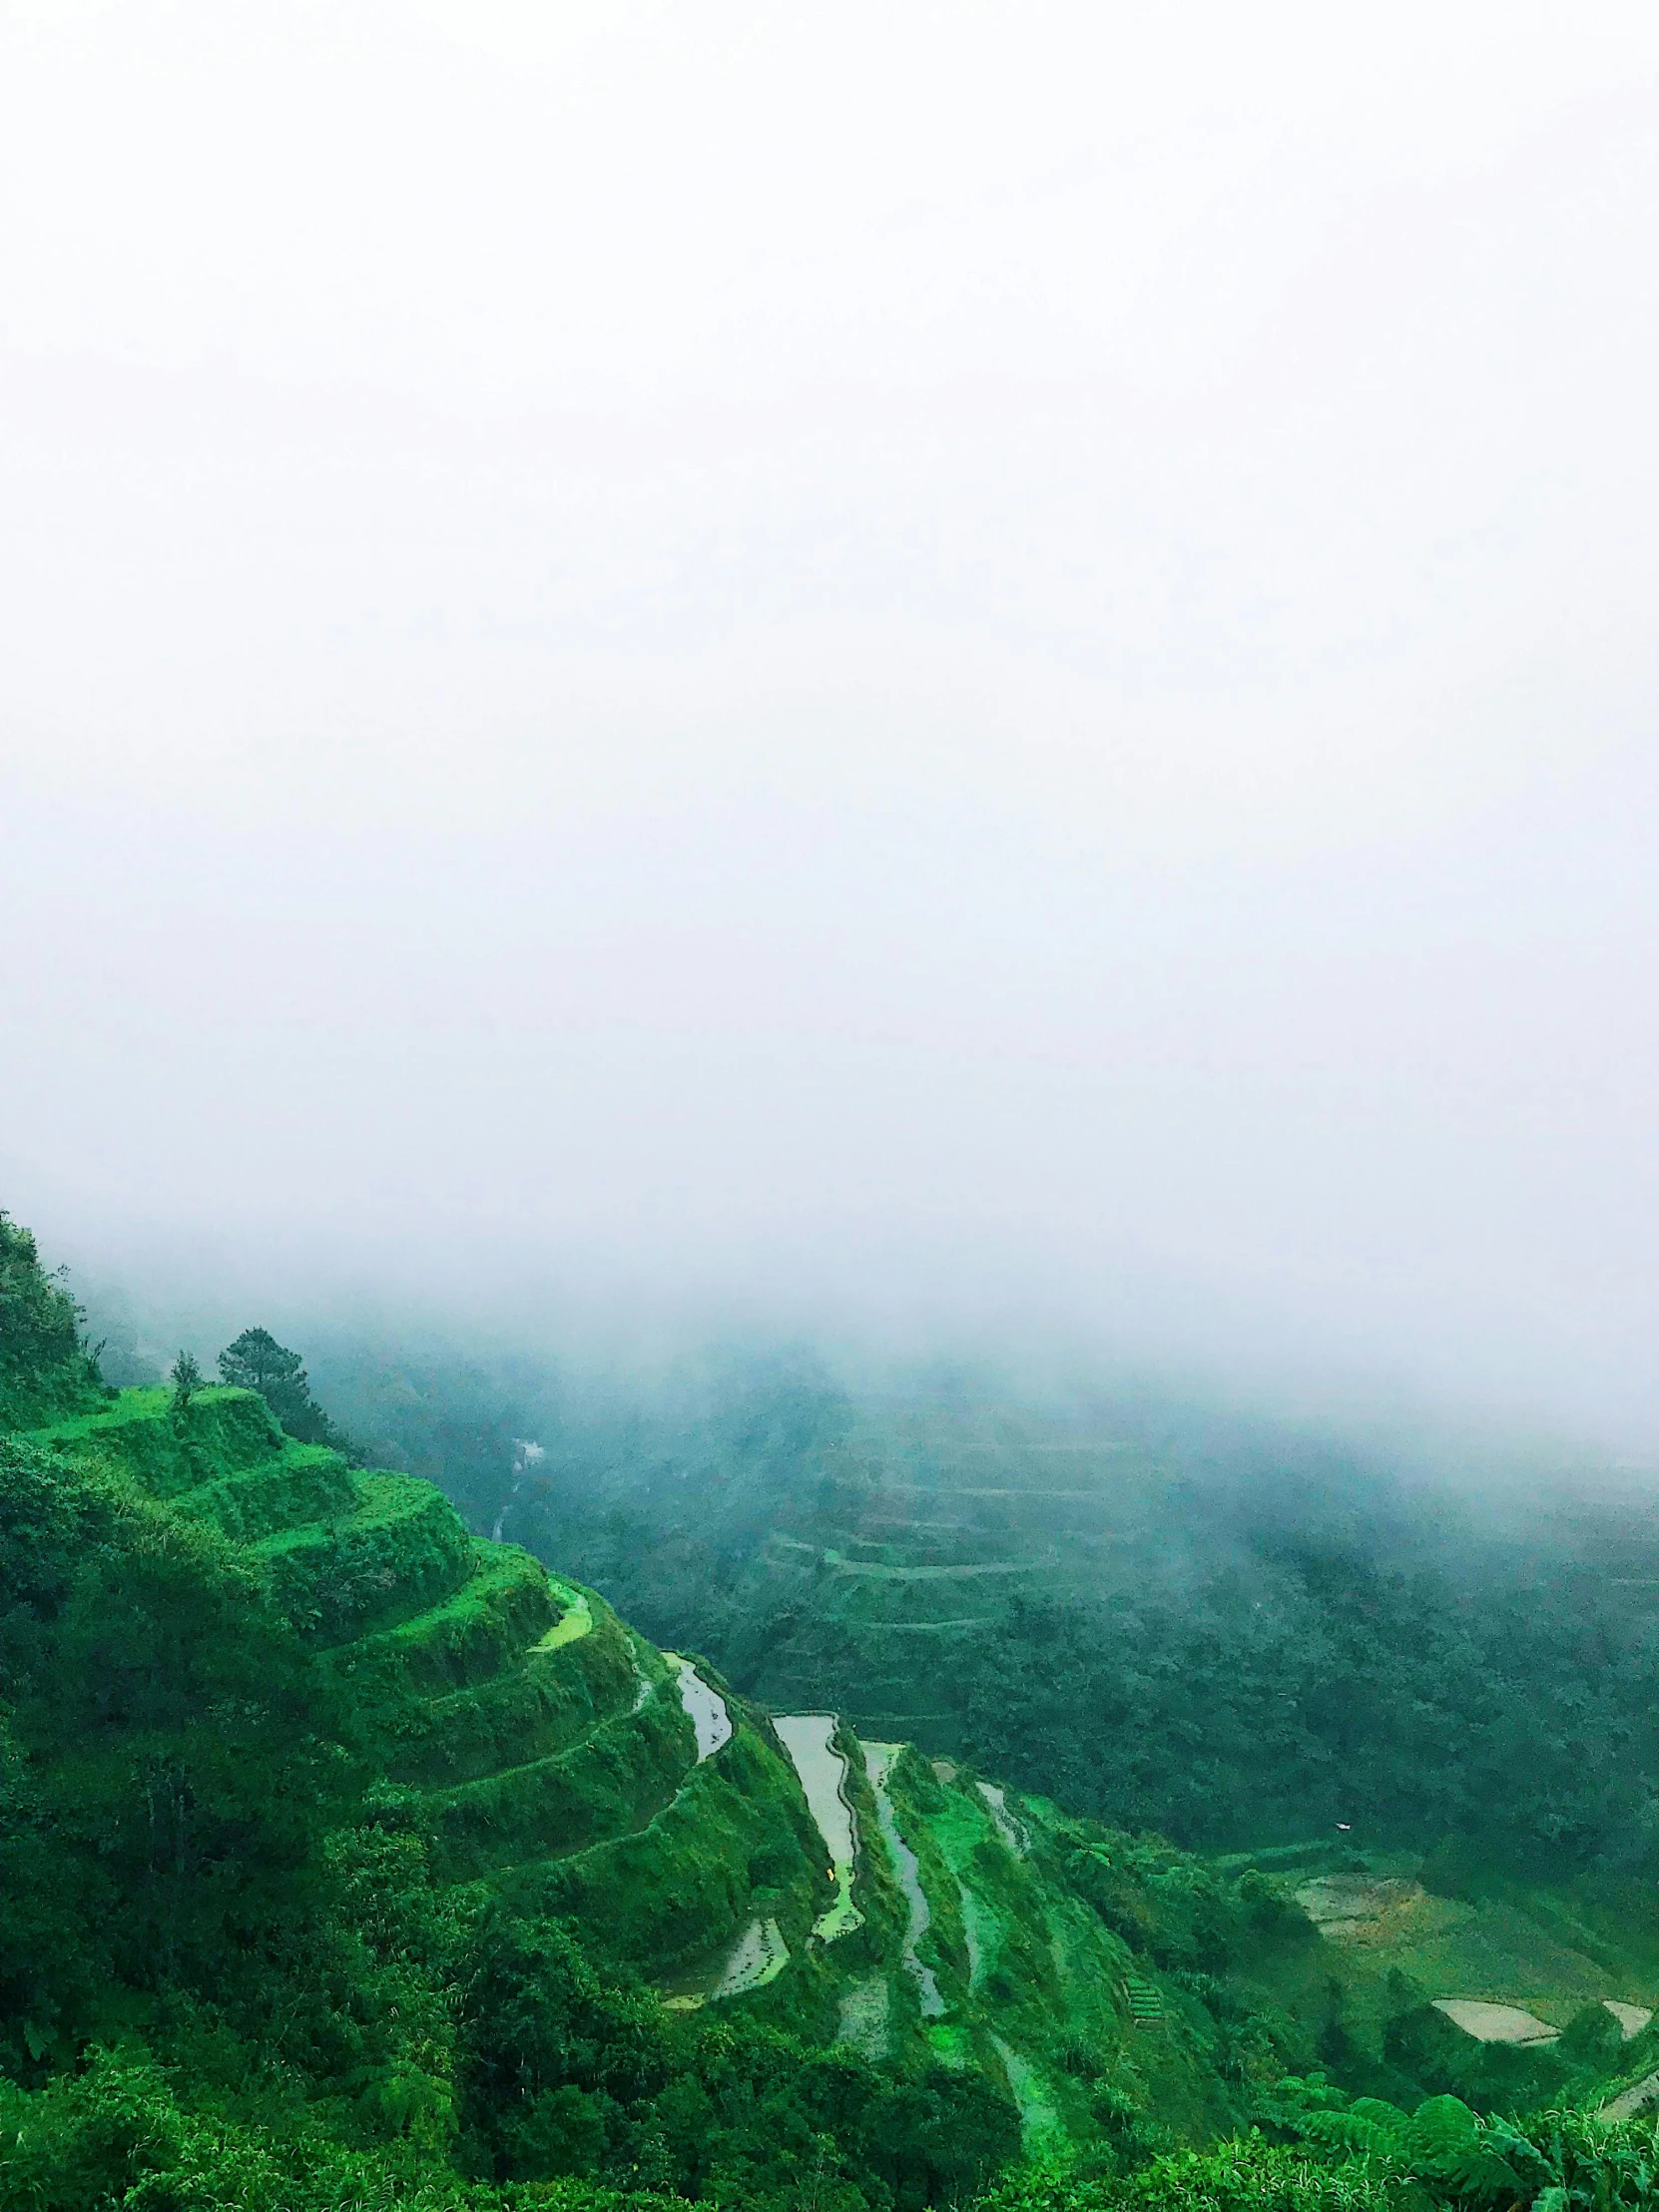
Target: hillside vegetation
[354,1859]
[1165,1616]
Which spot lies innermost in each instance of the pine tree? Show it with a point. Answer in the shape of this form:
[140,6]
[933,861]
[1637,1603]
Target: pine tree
[257,1362]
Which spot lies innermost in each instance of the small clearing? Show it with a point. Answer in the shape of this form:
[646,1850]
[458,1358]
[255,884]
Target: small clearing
[1360,1907]
[1632,2100]
[1495,2024]
[576,1619]
[1037,2115]
[1631,2018]
[863,2016]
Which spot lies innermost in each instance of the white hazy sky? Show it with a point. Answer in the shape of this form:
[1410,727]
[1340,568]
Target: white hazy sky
[926,657]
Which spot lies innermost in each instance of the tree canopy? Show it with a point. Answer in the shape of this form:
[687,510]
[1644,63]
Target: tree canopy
[257,1362]
[45,1366]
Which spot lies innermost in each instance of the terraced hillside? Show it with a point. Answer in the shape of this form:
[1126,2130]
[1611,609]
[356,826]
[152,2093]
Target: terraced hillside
[1496,1987]
[941,1541]
[548,1748]
[1232,1632]
[859,1566]
[854,1892]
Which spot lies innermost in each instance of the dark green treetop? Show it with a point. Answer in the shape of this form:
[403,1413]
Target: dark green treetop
[257,1362]
[45,1366]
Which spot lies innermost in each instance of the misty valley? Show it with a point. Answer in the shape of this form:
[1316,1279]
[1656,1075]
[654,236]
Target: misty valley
[438,1777]
[829,1053]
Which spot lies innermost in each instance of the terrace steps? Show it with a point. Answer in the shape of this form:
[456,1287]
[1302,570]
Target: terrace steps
[563,1774]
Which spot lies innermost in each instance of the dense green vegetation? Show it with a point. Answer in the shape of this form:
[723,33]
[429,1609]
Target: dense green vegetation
[349,1859]
[330,1877]
[1528,1724]
[1167,1617]
[254,1361]
[45,1369]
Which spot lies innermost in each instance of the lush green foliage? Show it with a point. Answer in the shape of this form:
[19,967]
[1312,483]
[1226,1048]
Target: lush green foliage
[257,1362]
[1370,2157]
[1529,1720]
[168,1778]
[1200,1626]
[45,1368]
[286,1998]
[127,2131]
[330,1878]
[234,1969]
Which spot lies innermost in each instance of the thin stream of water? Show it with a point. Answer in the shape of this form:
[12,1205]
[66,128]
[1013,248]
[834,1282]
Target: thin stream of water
[878,1758]
[529,1453]
[996,1804]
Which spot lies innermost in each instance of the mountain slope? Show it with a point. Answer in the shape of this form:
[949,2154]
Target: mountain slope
[45,1369]
[351,1857]
[552,1758]
[1170,1617]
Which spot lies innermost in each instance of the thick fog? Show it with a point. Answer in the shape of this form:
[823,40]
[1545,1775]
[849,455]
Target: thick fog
[889,667]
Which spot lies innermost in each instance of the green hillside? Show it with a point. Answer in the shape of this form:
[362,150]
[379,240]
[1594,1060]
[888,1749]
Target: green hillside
[352,1859]
[45,1368]
[546,1756]
[1165,1615]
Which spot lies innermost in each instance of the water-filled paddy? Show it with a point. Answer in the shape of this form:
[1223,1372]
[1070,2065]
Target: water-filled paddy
[808,1738]
[1495,2024]
[758,1956]
[878,1758]
[705,1707]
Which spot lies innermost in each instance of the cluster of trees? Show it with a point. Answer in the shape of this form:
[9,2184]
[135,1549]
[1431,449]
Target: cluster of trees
[122,2135]
[257,1362]
[46,1366]
[1523,1717]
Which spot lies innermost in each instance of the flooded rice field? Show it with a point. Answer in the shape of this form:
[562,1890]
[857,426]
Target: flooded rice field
[705,1708]
[808,1738]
